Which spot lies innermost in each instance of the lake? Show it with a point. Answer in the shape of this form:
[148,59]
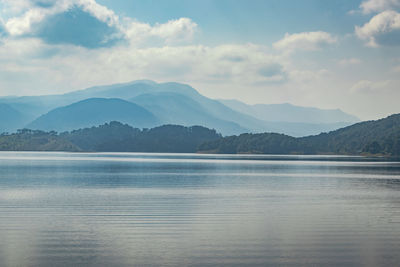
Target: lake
[135,209]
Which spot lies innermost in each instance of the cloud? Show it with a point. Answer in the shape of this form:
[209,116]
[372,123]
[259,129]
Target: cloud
[396,69]
[48,66]
[245,64]
[181,29]
[177,31]
[309,76]
[101,12]
[21,25]
[2,30]
[18,8]
[375,6]
[382,29]
[24,14]
[305,41]
[349,61]
[367,86]
[271,70]
[89,24]
[77,27]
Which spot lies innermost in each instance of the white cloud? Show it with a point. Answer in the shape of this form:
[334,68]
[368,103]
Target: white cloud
[74,67]
[305,41]
[21,25]
[367,86]
[309,76]
[172,32]
[15,6]
[396,69]
[361,86]
[349,61]
[382,29]
[249,72]
[100,12]
[374,6]
[24,15]
[175,30]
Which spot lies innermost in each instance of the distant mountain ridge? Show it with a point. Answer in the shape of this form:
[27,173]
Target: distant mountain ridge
[174,108]
[91,112]
[169,103]
[10,118]
[290,113]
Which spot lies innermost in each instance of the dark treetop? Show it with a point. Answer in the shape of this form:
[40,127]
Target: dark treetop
[113,136]
[370,137]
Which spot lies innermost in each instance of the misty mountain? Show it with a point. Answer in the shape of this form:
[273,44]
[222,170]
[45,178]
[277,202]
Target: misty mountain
[291,113]
[175,103]
[158,98]
[10,118]
[221,117]
[39,105]
[33,106]
[299,129]
[132,89]
[92,112]
[229,120]
[174,108]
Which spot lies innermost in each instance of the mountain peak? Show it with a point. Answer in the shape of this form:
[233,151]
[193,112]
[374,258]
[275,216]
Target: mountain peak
[94,111]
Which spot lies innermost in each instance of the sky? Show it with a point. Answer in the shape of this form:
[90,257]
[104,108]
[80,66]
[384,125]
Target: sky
[329,54]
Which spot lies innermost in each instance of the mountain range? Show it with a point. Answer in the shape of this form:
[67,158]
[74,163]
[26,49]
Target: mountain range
[93,112]
[145,104]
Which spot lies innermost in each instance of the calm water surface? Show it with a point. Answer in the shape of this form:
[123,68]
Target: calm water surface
[130,209]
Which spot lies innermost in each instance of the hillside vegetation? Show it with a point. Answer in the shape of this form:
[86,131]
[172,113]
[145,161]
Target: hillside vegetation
[111,137]
[380,137]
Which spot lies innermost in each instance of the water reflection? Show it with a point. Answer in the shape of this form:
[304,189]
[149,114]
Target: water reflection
[106,209]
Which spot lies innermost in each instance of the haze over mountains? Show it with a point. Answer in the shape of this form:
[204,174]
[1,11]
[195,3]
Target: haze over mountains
[93,112]
[145,104]
[290,113]
[10,118]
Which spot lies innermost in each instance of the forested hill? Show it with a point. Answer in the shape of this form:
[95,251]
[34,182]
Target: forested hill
[111,137]
[380,137]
